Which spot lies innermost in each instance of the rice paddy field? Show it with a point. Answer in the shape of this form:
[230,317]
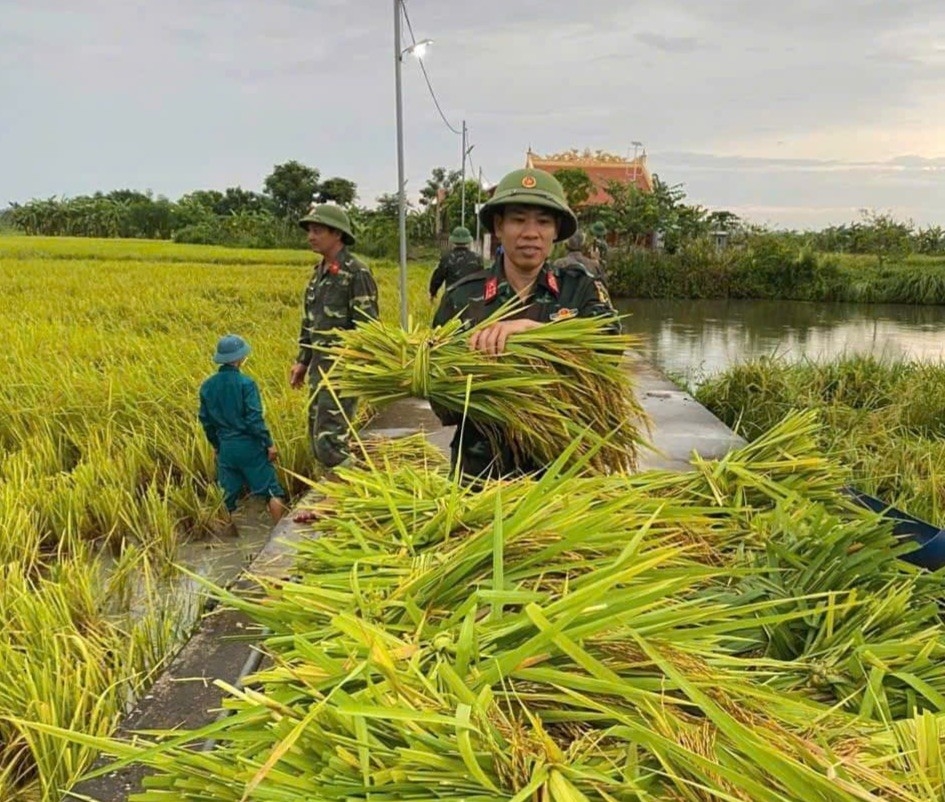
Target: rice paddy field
[104,471]
[884,419]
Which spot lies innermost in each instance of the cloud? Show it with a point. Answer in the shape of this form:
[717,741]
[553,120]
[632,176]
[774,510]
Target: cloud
[805,193]
[808,105]
[707,162]
[669,44]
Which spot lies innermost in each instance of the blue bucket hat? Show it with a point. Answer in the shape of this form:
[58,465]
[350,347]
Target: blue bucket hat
[231,348]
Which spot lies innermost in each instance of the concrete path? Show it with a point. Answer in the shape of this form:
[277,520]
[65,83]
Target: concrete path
[184,697]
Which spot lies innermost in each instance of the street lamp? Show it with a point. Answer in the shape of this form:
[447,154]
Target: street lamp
[417,49]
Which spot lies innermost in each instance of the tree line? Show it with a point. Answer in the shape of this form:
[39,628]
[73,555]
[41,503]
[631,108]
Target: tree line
[247,218]
[661,219]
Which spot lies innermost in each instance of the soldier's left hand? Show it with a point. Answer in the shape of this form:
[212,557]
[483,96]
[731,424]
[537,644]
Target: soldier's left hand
[272,453]
[492,340]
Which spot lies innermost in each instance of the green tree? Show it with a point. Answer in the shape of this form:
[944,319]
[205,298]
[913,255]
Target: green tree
[633,214]
[884,236]
[337,190]
[237,200]
[388,206]
[208,199]
[636,215]
[440,179]
[930,240]
[292,187]
[452,206]
[578,186]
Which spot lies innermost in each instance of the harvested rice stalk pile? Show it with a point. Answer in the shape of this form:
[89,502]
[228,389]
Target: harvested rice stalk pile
[554,384]
[648,637]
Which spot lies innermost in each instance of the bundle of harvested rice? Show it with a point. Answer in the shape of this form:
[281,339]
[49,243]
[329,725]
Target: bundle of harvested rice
[555,384]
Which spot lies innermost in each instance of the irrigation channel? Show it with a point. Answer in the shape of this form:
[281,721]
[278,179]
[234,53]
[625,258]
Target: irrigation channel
[185,696]
[697,339]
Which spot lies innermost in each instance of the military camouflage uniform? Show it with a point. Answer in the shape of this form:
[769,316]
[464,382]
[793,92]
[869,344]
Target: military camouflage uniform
[560,291]
[458,263]
[341,293]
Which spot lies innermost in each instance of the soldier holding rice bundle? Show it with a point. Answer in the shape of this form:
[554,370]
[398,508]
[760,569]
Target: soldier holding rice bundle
[528,214]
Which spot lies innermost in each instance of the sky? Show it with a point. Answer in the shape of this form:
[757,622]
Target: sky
[792,114]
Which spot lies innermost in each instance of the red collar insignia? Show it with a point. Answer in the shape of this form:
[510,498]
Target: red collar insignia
[333,268]
[552,282]
[492,288]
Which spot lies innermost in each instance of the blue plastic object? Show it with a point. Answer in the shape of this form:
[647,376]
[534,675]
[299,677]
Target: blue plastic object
[930,539]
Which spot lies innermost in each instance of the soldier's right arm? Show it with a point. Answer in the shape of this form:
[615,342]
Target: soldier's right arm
[445,311]
[363,299]
[438,277]
[305,334]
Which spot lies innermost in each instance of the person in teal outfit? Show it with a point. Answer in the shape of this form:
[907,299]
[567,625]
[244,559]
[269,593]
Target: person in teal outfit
[232,418]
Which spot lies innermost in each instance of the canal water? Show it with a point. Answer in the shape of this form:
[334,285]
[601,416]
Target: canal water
[691,341]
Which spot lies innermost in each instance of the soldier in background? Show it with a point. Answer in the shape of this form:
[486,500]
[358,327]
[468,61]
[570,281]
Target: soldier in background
[599,232]
[576,255]
[340,294]
[456,264]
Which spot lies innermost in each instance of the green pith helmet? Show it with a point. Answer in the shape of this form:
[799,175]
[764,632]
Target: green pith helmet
[460,236]
[332,216]
[231,348]
[530,187]
[598,229]
[576,241]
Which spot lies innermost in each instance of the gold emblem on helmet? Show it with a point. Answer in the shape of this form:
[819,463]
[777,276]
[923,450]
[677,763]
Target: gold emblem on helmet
[529,182]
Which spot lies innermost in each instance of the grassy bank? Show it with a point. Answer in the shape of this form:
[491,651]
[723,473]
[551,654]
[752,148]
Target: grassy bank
[884,419]
[771,267]
[105,343]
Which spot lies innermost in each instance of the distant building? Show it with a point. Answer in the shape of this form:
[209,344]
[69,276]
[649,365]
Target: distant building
[601,168]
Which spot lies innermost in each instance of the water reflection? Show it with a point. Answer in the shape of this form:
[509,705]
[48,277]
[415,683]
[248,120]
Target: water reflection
[697,339]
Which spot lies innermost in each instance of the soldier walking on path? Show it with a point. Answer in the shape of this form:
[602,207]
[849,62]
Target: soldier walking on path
[456,264]
[341,293]
[528,214]
[575,245]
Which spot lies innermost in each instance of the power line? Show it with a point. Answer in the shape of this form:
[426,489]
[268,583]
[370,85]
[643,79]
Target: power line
[472,166]
[426,77]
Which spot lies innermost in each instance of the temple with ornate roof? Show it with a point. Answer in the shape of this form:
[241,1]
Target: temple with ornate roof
[601,168]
